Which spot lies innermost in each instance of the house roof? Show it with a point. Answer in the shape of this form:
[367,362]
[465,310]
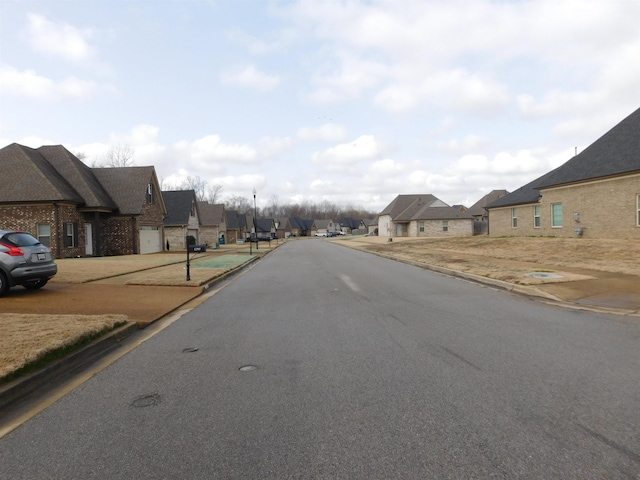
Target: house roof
[232,219]
[211,214]
[127,186]
[349,222]
[300,223]
[179,204]
[33,178]
[478,208]
[617,152]
[323,223]
[79,176]
[370,221]
[403,202]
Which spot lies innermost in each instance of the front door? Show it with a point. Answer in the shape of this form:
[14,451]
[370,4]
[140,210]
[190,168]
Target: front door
[88,239]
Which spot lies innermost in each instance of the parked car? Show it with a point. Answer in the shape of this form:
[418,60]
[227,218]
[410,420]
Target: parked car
[320,234]
[24,261]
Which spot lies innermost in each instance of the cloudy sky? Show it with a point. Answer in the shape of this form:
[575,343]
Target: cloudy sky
[349,101]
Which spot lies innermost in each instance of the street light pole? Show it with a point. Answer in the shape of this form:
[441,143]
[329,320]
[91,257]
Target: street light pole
[255,215]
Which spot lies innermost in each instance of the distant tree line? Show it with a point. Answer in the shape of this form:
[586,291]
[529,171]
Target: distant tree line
[123,156]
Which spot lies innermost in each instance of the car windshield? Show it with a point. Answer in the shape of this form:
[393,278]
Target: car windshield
[20,240]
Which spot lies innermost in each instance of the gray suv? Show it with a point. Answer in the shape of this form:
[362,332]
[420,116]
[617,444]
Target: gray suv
[24,261]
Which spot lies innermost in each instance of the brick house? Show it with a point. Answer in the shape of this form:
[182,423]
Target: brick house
[212,223]
[423,216]
[77,210]
[182,220]
[596,194]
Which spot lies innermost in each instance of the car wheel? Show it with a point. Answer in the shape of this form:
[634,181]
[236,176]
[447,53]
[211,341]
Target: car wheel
[4,284]
[41,282]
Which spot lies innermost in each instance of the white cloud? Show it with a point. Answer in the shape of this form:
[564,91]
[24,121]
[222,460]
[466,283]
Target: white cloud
[250,77]
[59,39]
[29,84]
[329,132]
[271,146]
[363,148]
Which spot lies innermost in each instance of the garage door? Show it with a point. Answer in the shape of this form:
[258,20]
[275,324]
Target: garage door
[150,239]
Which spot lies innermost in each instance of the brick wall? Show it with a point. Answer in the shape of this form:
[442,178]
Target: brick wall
[27,217]
[434,228]
[605,208]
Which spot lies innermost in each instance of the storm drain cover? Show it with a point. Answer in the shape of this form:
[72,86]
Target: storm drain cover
[544,275]
[248,368]
[146,400]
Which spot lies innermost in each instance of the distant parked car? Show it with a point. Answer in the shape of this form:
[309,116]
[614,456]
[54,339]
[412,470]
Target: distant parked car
[24,261]
[320,234]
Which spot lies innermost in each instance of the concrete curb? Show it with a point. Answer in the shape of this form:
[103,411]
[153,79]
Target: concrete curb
[24,386]
[526,290]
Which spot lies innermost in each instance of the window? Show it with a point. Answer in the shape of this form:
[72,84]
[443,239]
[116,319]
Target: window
[638,198]
[70,235]
[422,225]
[44,234]
[193,209]
[514,217]
[150,193]
[445,225]
[556,215]
[536,216]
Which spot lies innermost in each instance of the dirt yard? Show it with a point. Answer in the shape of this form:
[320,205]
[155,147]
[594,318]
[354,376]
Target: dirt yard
[513,259]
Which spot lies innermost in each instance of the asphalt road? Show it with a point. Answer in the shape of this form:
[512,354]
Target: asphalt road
[365,368]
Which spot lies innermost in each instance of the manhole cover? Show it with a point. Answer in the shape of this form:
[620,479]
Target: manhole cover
[189,349]
[544,275]
[147,400]
[248,368]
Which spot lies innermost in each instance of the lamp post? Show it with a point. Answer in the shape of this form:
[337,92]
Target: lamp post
[277,224]
[255,216]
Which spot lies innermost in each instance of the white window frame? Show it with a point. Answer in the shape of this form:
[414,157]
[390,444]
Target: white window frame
[69,233]
[514,217]
[445,225]
[421,226]
[536,216]
[41,237]
[553,216]
[638,205]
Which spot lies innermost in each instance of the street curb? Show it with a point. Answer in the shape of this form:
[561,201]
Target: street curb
[511,287]
[24,386]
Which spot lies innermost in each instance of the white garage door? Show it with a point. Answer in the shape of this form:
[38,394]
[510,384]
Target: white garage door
[150,239]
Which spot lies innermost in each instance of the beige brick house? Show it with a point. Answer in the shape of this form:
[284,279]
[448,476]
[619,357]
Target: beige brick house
[212,223]
[182,220]
[596,194]
[423,216]
[77,210]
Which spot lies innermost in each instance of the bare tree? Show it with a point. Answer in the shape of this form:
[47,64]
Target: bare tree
[80,155]
[241,204]
[197,185]
[214,192]
[117,156]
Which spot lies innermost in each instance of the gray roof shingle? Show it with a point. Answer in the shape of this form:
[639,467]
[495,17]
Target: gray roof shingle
[179,204]
[127,186]
[617,152]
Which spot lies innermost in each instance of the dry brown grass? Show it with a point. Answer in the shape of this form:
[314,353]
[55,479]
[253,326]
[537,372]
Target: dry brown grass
[176,276]
[28,338]
[518,255]
[82,270]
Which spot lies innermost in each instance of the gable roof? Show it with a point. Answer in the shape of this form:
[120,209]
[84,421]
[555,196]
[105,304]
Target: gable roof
[33,178]
[179,204]
[79,176]
[323,223]
[478,208]
[403,202]
[232,219]
[617,152]
[211,214]
[128,187]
